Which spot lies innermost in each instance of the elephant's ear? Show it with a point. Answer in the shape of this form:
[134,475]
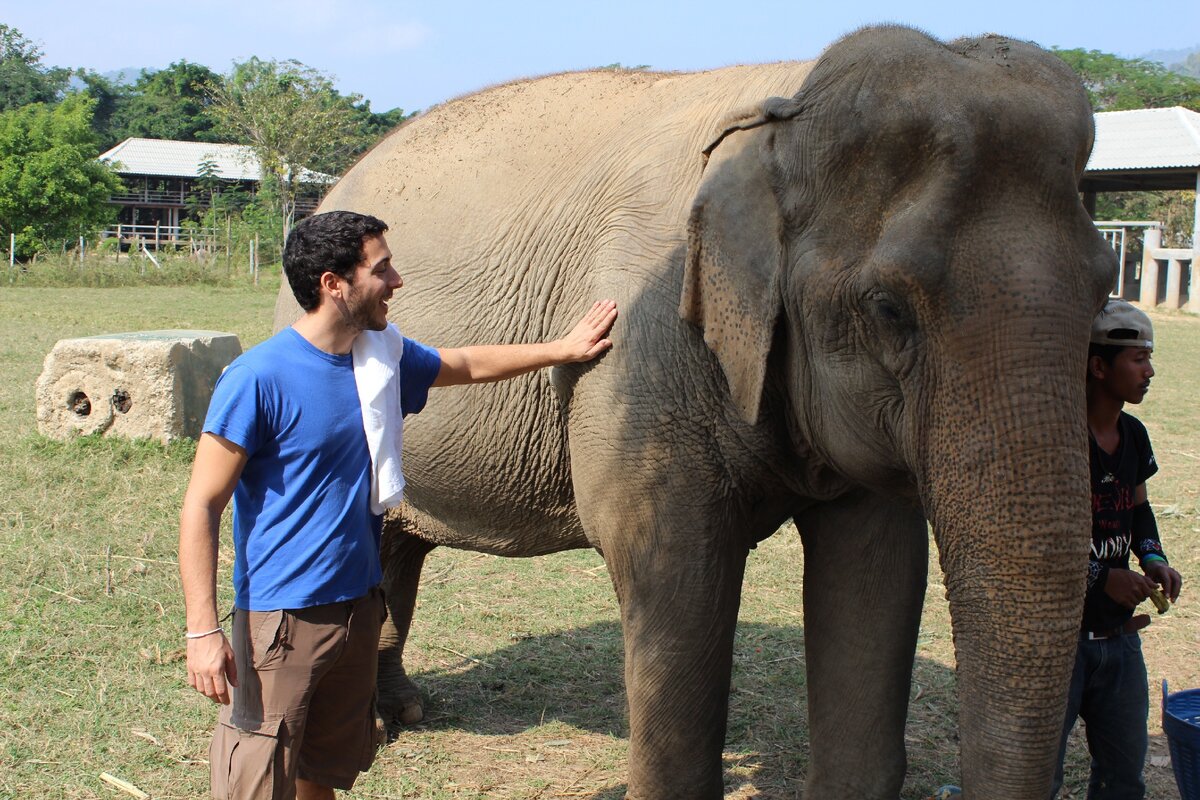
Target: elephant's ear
[735,252]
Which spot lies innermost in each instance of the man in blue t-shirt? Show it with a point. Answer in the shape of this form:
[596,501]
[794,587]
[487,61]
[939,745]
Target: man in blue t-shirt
[284,438]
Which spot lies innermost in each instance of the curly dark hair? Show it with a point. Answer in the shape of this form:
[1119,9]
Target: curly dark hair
[329,242]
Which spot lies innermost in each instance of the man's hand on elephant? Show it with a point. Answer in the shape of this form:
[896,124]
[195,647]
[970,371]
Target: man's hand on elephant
[1128,587]
[211,668]
[1167,577]
[586,340]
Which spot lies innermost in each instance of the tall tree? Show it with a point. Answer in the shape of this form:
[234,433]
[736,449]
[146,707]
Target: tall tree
[51,185]
[110,98]
[292,118]
[23,78]
[1122,84]
[172,103]
[369,128]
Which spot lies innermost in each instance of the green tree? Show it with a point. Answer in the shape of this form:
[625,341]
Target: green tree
[1172,208]
[369,128]
[23,78]
[172,103]
[51,185]
[292,118]
[110,99]
[1122,84]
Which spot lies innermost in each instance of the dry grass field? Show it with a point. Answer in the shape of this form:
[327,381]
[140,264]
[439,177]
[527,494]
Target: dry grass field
[521,659]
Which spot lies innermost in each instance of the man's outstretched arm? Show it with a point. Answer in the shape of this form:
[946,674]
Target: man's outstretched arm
[215,473]
[484,363]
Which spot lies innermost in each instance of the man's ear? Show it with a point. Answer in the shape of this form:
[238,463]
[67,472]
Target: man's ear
[330,283]
[1096,367]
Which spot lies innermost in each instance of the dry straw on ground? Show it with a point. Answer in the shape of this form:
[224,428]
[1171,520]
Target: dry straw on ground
[521,659]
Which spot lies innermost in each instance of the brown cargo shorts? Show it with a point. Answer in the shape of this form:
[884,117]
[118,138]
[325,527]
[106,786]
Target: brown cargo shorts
[304,703]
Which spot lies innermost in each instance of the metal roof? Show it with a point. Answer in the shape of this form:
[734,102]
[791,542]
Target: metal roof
[1149,138]
[235,162]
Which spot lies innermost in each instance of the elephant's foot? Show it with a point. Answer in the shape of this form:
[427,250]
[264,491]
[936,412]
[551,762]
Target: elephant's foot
[400,703]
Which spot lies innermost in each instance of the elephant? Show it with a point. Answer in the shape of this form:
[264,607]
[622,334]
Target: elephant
[854,293]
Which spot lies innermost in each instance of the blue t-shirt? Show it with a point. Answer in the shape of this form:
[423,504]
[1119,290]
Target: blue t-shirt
[303,531]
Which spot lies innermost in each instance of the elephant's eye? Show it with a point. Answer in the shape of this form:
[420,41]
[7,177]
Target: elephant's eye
[885,307]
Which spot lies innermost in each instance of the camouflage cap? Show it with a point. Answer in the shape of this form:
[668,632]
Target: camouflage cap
[1122,323]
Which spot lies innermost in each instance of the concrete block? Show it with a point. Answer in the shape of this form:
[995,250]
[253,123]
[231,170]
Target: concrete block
[144,384]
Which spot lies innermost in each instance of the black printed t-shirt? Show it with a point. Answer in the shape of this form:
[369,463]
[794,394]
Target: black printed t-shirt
[1114,478]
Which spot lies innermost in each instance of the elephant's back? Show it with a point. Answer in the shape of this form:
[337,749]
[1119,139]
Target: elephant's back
[540,170]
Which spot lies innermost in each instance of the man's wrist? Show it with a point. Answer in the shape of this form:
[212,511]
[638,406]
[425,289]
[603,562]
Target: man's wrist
[202,634]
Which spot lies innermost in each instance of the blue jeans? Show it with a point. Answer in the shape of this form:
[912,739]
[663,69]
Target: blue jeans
[1108,691]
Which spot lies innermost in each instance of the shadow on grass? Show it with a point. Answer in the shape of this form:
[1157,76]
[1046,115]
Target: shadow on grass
[575,677]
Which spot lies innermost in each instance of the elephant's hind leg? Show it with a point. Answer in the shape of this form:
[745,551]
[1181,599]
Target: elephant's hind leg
[403,555]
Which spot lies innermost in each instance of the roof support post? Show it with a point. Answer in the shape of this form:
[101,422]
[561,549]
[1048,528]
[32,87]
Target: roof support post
[1193,303]
[1151,241]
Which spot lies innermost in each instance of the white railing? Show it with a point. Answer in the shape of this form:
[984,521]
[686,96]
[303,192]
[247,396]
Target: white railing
[159,233]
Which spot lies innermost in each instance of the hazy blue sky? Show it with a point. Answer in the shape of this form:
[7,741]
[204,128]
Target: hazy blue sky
[415,55]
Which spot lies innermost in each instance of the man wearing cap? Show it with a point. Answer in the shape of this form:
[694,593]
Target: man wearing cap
[1108,686]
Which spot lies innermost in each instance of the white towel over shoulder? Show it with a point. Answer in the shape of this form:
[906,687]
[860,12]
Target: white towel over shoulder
[376,356]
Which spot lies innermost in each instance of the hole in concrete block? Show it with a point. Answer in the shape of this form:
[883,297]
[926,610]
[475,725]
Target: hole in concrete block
[121,401]
[80,404]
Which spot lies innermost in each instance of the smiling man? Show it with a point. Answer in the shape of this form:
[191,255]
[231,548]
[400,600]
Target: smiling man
[284,438]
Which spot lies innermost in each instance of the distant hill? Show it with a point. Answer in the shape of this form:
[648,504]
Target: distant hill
[125,76]
[129,75]
[1184,62]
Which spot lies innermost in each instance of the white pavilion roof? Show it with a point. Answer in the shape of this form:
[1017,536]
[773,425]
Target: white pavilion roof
[1149,138]
[136,156]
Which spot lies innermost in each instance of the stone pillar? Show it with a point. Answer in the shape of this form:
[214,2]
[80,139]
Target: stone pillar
[1151,241]
[146,384]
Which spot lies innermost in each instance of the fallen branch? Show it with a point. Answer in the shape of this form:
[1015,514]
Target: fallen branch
[124,786]
[464,655]
[60,594]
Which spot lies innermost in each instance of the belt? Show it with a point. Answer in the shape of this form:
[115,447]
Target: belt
[1132,625]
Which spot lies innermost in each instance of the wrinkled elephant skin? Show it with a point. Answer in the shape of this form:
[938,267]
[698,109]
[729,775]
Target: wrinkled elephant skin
[854,292]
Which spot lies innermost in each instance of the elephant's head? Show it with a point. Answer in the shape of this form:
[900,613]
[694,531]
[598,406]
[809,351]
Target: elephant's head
[901,251]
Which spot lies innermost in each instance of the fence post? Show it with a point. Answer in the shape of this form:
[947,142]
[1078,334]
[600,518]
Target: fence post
[82,244]
[117,258]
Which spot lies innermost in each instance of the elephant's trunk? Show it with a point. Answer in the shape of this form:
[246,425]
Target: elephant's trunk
[1007,492]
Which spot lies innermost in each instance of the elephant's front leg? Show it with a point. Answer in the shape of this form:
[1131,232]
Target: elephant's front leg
[865,566]
[679,591]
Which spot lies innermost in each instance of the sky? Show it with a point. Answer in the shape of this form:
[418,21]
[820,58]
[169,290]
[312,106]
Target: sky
[414,55]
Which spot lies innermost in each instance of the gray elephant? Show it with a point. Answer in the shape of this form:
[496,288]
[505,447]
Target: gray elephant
[862,307]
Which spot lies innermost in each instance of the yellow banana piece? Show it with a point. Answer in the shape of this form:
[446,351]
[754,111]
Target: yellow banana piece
[1160,601]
